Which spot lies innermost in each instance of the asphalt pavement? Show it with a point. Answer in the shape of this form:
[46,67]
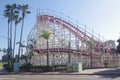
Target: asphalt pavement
[102,71]
[87,74]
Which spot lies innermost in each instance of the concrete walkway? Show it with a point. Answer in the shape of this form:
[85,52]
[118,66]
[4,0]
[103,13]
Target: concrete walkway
[103,71]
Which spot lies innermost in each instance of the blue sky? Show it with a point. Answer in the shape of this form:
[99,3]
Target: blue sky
[101,15]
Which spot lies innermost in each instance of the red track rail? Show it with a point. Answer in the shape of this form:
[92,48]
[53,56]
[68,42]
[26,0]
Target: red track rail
[43,51]
[71,28]
[64,24]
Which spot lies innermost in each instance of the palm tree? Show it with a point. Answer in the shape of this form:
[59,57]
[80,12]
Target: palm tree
[46,35]
[24,9]
[13,11]
[17,20]
[22,45]
[9,13]
[91,44]
[30,54]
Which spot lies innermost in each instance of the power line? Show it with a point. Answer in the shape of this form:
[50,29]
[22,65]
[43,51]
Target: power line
[3,37]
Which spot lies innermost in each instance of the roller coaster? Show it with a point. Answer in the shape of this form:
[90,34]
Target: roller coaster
[68,38]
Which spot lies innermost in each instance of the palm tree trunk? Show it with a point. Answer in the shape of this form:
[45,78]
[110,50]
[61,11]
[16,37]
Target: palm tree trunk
[47,54]
[14,41]
[91,57]
[20,40]
[69,56]
[8,43]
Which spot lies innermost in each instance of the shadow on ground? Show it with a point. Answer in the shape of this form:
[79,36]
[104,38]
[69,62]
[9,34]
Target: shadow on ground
[110,73]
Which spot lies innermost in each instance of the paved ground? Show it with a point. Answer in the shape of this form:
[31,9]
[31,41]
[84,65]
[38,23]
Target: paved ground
[59,77]
[103,71]
[88,74]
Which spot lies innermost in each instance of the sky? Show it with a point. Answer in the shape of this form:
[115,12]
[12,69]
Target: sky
[103,16]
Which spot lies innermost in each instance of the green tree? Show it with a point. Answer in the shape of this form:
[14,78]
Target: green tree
[46,35]
[30,54]
[118,46]
[5,58]
[24,9]
[0,50]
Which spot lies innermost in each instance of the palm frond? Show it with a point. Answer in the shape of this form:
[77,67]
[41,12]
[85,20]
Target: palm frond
[45,34]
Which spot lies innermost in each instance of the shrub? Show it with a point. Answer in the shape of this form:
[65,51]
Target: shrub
[8,68]
[41,68]
[26,67]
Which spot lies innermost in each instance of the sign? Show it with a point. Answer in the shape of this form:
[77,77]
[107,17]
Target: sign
[74,67]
